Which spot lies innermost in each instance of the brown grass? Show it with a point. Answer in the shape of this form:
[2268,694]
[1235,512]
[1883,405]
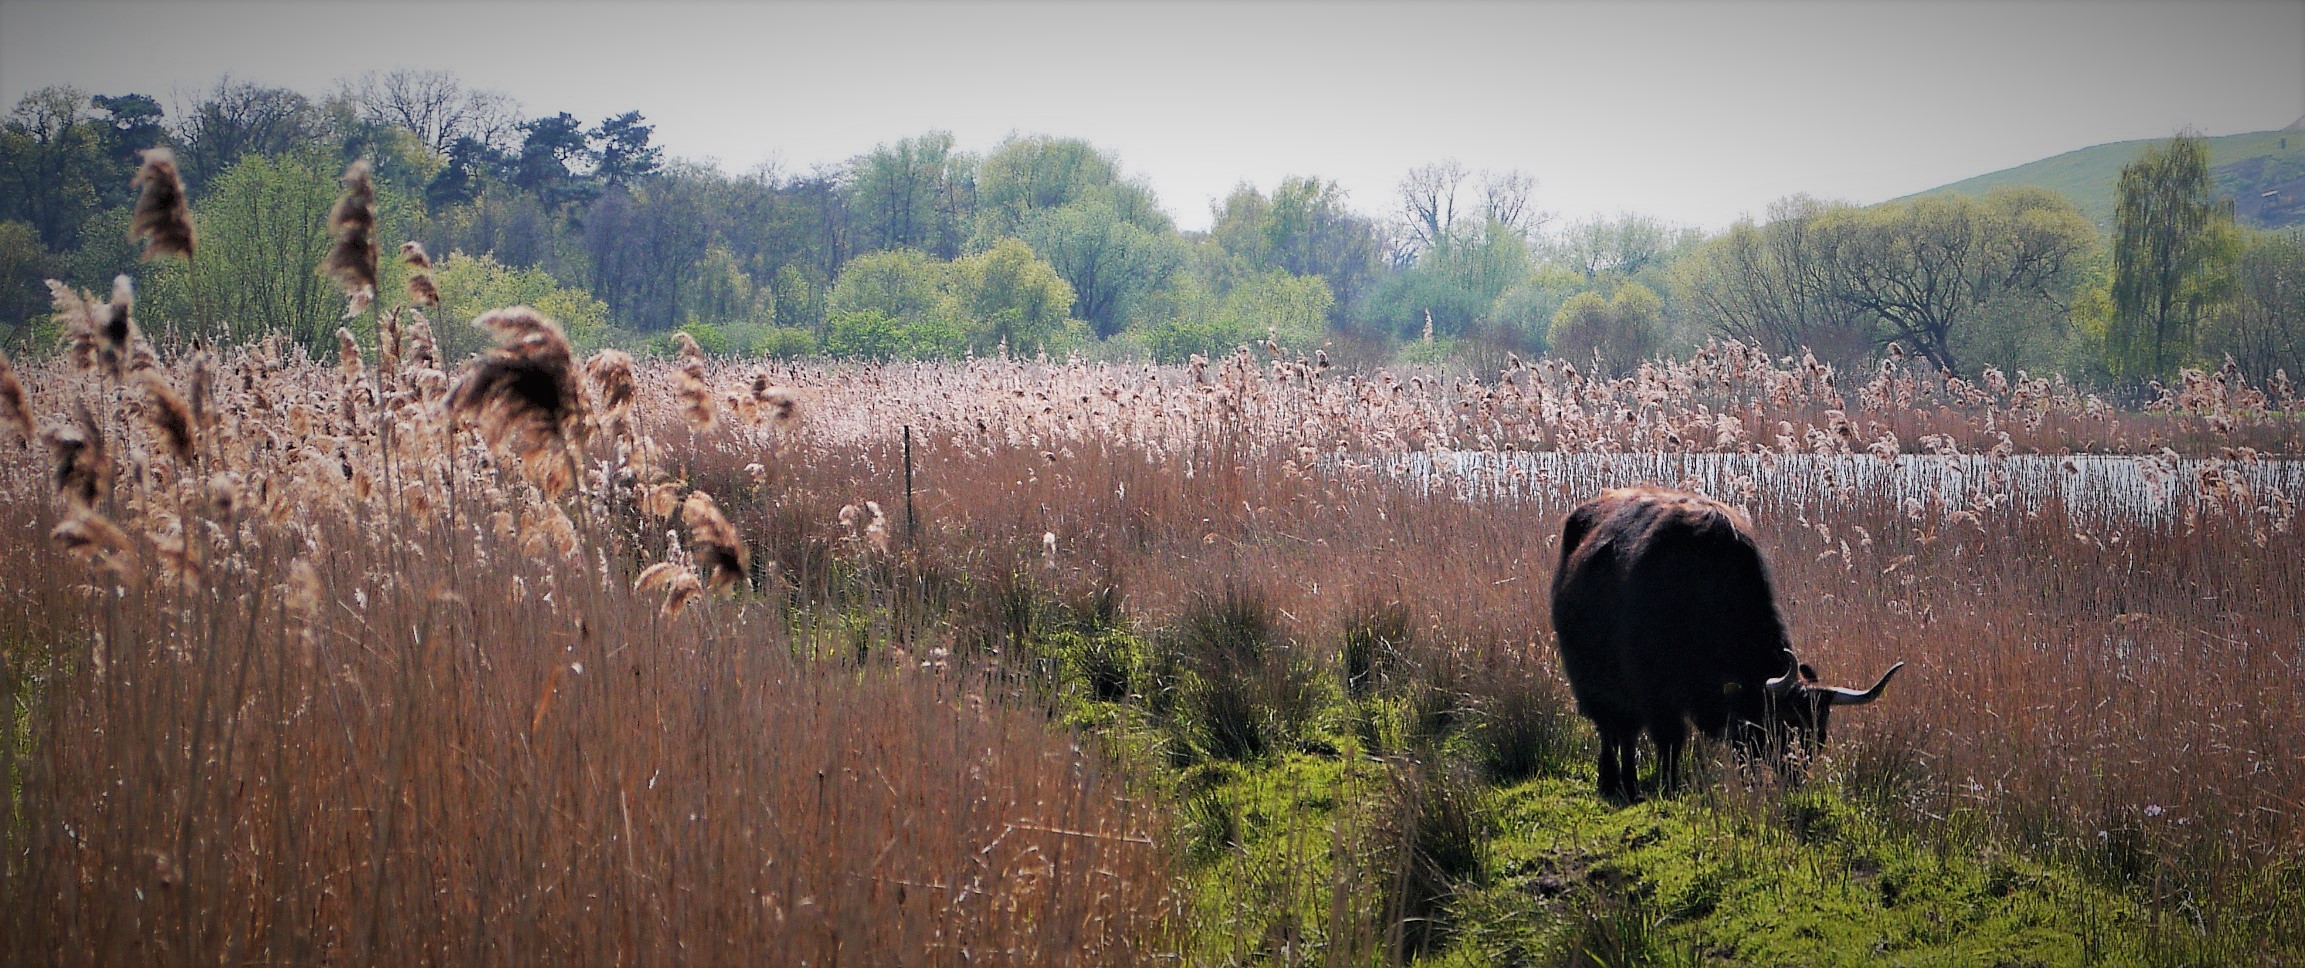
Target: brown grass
[414,766]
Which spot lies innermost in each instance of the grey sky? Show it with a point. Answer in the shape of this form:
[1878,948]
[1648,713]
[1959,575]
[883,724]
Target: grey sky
[1695,112]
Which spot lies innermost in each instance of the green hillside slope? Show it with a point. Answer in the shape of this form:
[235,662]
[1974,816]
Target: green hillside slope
[2247,167]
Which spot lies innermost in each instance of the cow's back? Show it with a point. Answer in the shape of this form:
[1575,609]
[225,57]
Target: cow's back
[1662,601]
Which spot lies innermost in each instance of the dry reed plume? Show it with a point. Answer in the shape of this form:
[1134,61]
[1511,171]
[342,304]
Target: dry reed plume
[353,254]
[163,215]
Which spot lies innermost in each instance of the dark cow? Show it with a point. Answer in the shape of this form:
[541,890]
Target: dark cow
[1666,618]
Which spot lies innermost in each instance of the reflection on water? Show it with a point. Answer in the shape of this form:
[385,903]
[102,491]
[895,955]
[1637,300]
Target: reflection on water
[2091,488]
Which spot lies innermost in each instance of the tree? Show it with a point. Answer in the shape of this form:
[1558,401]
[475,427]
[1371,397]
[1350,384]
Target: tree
[1010,297]
[1931,273]
[555,162]
[1429,204]
[435,106]
[1768,285]
[1113,264]
[235,119]
[1429,214]
[468,165]
[1455,284]
[1626,246]
[898,284]
[263,232]
[643,245]
[52,164]
[918,193]
[721,293]
[1028,175]
[1303,229]
[1292,308]
[2173,248]
[2263,327]
[132,124]
[1616,334]
[1928,267]
[474,284]
[622,154]
[23,263]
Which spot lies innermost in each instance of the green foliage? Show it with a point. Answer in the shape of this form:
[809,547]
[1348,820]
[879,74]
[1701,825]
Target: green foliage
[2263,329]
[474,284]
[1037,173]
[898,284]
[916,194]
[23,263]
[1292,309]
[713,340]
[1002,295]
[1933,273]
[1112,261]
[1295,309]
[1616,333]
[2174,246]
[725,294]
[263,229]
[871,335]
[1012,297]
[1525,312]
[1456,281]
[777,342]
[1305,229]
[53,165]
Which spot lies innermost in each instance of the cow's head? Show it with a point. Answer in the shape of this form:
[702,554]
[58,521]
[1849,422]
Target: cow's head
[1799,709]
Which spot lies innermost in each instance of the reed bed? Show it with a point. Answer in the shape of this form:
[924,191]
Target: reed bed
[386,664]
[310,675]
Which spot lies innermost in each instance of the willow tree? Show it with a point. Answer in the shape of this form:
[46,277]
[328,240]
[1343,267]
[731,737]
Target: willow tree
[2173,248]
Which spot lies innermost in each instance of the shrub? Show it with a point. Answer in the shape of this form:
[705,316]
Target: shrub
[1239,689]
[1434,835]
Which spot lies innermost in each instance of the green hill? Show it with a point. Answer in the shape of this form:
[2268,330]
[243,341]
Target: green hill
[2263,172]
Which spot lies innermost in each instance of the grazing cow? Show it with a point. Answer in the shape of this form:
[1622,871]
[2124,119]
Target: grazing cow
[1665,618]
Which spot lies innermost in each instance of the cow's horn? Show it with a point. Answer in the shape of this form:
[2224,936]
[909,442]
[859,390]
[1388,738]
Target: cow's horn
[1851,697]
[1778,687]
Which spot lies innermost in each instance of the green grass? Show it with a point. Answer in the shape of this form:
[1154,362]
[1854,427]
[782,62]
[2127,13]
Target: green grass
[2088,176]
[1308,851]
[1798,877]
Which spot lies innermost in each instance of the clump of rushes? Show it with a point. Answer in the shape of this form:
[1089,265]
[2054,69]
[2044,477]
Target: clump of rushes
[352,257]
[719,549]
[163,216]
[695,395]
[525,395]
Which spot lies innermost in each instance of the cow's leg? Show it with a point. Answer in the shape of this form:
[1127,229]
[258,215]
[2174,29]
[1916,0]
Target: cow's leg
[1670,736]
[1617,777]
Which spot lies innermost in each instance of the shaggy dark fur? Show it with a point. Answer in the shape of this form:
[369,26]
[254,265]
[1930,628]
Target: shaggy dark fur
[1666,618]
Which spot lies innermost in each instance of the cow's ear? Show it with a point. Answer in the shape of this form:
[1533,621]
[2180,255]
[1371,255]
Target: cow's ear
[1808,673]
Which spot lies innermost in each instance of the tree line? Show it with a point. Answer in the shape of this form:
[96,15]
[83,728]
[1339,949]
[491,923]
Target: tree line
[919,249]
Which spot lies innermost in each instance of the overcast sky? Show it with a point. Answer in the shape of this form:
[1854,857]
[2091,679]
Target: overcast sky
[1694,112]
